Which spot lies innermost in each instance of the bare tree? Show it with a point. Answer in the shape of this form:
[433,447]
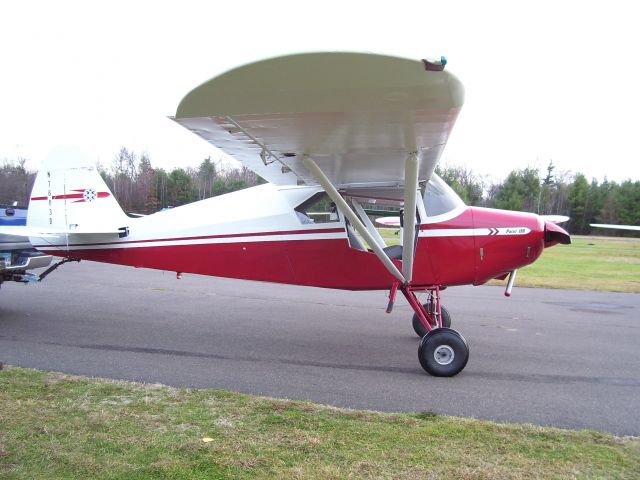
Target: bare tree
[15,182]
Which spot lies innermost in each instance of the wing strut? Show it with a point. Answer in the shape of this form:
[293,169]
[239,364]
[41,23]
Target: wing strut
[322,179]
[370,227]
[409,229]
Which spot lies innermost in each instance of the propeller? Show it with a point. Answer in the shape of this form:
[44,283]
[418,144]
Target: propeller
[555,218]
[553,234]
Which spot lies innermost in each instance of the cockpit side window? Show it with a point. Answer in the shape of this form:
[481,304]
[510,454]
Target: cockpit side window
[439,198]
[317,209]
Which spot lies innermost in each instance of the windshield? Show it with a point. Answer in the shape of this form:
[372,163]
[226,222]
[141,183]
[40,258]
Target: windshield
[439,198]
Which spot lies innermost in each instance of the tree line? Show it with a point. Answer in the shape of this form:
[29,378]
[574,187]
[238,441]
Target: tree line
[141,188]
[551,193]
[137,185]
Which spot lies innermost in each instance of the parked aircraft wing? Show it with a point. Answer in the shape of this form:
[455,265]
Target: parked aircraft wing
[389,221]
[618,227]
[357,115]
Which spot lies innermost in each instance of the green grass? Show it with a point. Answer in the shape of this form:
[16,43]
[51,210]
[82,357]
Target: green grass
[59,426]
[589,263]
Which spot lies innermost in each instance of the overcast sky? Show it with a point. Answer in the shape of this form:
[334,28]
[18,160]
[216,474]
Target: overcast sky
[544,80]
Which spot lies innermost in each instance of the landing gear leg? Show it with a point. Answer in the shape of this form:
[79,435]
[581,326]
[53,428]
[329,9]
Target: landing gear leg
[443,352]
[432,314]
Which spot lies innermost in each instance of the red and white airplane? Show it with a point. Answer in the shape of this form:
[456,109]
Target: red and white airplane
[327,131]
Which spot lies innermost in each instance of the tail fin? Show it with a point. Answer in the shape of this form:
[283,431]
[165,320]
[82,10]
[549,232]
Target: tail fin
[70,196]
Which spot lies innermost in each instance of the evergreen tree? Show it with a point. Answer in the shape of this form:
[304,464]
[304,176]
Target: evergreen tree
[146,200]
[520,191]
[577,198]
[180,188]
[464,182]
[548,190]
[206,176]
[628,202]
[160,182]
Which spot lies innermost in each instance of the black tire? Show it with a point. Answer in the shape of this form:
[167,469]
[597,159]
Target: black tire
[443,352]
[420,329]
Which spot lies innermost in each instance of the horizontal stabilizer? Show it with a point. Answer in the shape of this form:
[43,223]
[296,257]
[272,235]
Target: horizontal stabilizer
[93,231]
[22,231]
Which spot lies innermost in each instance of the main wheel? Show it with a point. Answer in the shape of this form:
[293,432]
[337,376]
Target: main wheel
[420,329]
[443,352]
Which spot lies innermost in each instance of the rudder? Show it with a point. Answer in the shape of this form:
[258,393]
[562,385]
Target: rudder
[69,195]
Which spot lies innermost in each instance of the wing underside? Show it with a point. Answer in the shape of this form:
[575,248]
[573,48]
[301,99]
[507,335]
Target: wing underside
[358,116]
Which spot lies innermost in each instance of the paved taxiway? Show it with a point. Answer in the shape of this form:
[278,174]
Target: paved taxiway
[548,357]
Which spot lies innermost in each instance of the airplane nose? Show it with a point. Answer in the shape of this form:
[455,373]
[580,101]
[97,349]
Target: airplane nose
[553,234]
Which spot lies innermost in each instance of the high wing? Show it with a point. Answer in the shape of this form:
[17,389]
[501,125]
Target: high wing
[617,227]
[357,115]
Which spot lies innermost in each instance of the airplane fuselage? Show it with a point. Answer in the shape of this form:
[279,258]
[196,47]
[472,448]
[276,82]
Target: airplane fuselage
[255,234]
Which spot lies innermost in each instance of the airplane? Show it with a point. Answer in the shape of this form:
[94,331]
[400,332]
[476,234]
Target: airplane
[338,129]
[17,257]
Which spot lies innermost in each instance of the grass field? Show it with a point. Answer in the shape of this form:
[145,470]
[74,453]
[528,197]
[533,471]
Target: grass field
[57,426]
[589,263]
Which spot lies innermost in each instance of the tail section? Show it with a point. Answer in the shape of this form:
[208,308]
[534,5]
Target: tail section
[70,196]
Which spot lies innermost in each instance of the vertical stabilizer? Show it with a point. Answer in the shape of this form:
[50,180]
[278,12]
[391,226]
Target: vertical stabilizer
[69,195]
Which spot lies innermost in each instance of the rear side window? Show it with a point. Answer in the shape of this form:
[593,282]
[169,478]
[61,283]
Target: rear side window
[317,209]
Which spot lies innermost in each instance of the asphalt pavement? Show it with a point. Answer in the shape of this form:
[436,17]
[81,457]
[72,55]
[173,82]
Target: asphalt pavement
[547,357]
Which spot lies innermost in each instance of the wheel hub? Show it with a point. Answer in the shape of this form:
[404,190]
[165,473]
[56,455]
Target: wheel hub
[443,355]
